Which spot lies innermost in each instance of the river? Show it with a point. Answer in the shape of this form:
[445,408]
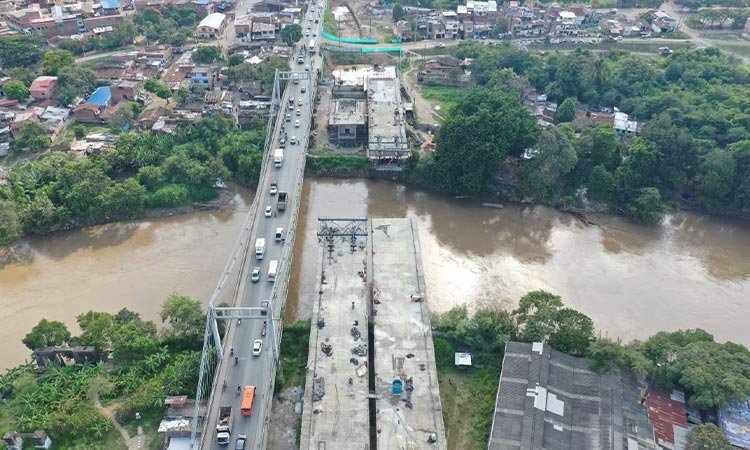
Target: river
[692,271]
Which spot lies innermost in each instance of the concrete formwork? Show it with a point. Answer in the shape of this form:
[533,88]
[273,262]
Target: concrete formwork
[340,419]
[403,341]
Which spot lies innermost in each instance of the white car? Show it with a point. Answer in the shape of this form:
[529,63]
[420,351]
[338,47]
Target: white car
[255,276]
[293,140]
[257,347]
[299,101]
[303,89]
[274,189]
[296,123]
[269,211]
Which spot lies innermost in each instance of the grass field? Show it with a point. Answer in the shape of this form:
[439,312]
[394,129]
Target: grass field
[741,48]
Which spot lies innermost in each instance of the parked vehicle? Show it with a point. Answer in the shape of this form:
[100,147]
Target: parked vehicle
[224,425]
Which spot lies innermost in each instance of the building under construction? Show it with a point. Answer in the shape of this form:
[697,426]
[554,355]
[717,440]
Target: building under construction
[366,110]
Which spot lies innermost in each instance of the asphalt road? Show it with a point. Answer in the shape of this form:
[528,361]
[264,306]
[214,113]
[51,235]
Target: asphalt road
[255,370]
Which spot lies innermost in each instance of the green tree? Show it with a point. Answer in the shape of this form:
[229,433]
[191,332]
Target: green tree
[707,436]
[122,118]
[566,112]
[47,334]
[74,81]
[601,182]
[156,87]
[717,181]
[96,330]
[291,33]
[535,315]
[484,127]
[185,320]
[599,144]
[574,332]
[32,136]
[398,12]
[236,59]
[648,207]
[20,50]
[207,54]
[54,60]
[79,131]
[502,25]
[555,156]
[10,223]
[16,90]
[182,96]
[133,339]
[605,355]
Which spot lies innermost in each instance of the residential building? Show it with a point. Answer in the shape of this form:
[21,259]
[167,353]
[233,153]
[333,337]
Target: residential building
[212,26]
[550,400]
[242,26]
[110,7]
[126,90]
[566,24]
[202,77]
[443,70]
[664,21]
[89,113]
[262,32]
[44,88]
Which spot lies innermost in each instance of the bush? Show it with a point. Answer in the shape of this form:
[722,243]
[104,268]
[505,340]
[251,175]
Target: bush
[167,196]
[337,164]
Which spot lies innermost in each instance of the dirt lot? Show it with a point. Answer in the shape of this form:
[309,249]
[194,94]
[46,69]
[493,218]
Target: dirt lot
[282,431]
[362,19]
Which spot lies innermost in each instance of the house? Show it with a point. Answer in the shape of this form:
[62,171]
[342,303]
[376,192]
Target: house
[88,112]
[110,7]
[44,88]
[623,124]
[550,400]
[202,77]
[212,26]
[125,90]
[444,70]
[664,21]
[666,412]
[262,32]
[567,24]
[242,26]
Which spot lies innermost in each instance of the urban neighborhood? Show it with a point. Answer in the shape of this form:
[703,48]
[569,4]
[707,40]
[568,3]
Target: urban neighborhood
[375,224]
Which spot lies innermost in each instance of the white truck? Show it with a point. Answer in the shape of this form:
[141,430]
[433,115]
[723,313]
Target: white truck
[260,248]
[224,425]
[278,157]
[272,269]
[311,47]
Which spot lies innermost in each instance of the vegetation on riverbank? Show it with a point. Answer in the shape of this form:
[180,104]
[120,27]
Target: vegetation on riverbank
[692,151]
[145,367]
[294,346]
[338,165]
[680,359]
[142,171]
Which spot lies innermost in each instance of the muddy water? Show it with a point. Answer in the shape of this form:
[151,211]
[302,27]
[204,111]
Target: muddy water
[105,268]
[693,271]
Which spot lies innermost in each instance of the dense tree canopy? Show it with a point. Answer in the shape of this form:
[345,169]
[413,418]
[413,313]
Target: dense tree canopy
[55,60]
[484,127]
[16,90]
[32,136]
[291,33]
[74,81]
[207,54]
[707,436]
[47,334]
[21,50]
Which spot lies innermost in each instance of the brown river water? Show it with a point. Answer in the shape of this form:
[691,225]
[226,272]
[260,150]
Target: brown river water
[692,271]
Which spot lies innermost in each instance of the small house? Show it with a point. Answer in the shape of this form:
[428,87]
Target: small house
[43,88]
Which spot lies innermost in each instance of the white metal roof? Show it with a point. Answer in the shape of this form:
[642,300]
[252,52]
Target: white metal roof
[213,20]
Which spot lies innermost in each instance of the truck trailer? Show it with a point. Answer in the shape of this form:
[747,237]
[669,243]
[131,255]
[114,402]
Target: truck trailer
[281,202]
[224,425]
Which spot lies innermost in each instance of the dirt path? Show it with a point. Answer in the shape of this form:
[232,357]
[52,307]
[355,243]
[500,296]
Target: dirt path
[134,443]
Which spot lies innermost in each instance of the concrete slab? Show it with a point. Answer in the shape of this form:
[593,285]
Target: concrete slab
[340,419]
[403,341]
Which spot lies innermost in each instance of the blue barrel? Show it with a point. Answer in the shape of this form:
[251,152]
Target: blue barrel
[398,386]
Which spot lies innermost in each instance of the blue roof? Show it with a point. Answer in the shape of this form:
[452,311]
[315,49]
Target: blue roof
[110,4]
[100,96]
[735,423]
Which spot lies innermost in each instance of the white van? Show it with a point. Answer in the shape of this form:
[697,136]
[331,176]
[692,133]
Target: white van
[279,234]
[272,269]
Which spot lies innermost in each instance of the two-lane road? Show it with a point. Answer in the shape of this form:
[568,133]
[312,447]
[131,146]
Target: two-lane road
[257,370]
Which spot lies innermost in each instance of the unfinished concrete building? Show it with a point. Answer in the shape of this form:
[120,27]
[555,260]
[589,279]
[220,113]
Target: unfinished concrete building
[366,110]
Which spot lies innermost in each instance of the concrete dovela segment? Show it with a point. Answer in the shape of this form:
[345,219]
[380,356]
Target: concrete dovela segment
[371,327]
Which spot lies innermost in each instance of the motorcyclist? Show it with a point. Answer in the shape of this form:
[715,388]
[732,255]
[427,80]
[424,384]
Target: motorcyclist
[231,351]
[236,360]
[239,389]
[224,386]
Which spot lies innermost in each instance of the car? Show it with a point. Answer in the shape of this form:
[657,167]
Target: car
[255,276]
[293,140]
[296,123]
[240,443]
[303,89]
[299,101]
[288,117]
[316,21]
[257,347]
[274,189]
[269,211]
[299,112]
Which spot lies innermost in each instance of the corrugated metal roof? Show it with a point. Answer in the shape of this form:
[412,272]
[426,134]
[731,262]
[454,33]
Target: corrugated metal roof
[110,4]
[100,96]
[550,400]
[665,414]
